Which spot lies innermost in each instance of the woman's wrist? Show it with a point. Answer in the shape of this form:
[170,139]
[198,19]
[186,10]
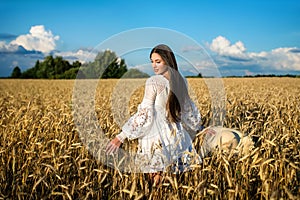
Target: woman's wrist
[121,136]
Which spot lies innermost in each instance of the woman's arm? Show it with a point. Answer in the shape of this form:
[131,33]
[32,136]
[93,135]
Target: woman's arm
[139,124]
[191,118]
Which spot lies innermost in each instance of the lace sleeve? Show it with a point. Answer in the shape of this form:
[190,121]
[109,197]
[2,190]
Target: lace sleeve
[191,117]
[140,123]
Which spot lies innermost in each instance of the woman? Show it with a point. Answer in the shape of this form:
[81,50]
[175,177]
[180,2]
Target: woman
[164,121]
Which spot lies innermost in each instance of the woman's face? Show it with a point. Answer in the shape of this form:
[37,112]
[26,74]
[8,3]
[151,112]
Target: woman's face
[158,64]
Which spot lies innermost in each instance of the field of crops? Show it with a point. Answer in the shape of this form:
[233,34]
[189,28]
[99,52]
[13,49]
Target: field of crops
[43,157]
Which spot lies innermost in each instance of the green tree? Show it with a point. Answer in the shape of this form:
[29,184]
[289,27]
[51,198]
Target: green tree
[16,73]
[60,67]
[76,64]
[69,74]
[135,73]
[45,69]
[116,69]
[105,65]
[31,72]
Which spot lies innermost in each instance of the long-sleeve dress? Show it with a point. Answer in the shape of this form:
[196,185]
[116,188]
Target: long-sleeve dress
[162,146]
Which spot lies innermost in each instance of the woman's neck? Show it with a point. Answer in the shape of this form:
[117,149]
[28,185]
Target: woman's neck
[166,75]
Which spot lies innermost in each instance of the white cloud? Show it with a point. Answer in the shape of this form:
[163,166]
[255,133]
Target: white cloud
[222,46]
[38,39]
[8,47]
[283,59]
[82,55]
[280,59]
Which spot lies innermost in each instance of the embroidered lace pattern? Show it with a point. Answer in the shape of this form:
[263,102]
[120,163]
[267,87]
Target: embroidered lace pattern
[150,126]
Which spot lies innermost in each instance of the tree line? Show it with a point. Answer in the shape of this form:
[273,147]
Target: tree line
[265,75]
[106,65]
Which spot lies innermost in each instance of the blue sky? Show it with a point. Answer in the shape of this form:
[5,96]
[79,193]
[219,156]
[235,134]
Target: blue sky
[240,37]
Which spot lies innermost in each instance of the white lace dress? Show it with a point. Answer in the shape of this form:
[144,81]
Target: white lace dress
[163,146]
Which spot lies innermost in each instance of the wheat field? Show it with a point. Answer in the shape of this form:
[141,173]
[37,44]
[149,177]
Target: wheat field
[43,157]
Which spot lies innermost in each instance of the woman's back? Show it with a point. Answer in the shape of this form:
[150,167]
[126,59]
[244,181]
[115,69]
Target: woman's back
[161,89]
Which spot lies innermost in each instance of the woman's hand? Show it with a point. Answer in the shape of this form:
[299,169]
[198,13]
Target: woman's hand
[113,146]
[210,131]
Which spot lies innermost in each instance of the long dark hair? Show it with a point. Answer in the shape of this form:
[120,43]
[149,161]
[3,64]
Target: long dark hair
[178,88]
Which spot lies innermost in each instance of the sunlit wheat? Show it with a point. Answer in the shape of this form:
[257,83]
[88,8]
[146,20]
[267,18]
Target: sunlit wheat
[42,156]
